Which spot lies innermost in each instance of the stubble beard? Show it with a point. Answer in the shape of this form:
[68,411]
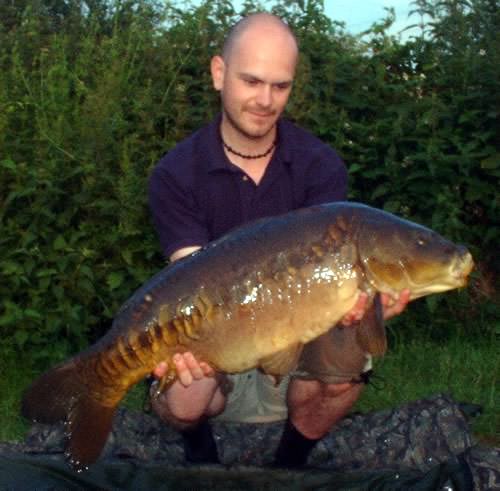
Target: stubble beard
[255,136]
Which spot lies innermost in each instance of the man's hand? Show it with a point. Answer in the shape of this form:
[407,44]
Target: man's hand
[394,305]
[391,306]
[195,394]
[187,367]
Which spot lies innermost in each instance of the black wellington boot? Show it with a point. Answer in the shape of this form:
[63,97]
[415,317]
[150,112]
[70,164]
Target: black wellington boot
[199,444]
[293,449]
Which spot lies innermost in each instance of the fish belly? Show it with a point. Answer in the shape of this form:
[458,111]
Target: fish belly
[276,317]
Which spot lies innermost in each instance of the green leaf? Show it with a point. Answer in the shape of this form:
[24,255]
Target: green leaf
[58,292]
[20,337]
[114,280]
[380,190]
[10,267]
[32,314]
[86,286]
[492,162]
[127,256]
[46,272]
[86,271]
[8,164]
[60,243]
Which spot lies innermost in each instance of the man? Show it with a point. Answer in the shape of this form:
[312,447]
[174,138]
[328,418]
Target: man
[247,164]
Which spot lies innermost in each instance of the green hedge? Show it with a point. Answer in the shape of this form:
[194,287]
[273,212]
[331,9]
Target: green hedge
[92,94]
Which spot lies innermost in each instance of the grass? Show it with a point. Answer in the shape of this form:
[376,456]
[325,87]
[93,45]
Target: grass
[463,367]
[14,377]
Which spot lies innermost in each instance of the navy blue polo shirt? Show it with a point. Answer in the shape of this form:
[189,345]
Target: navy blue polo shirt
[196,194]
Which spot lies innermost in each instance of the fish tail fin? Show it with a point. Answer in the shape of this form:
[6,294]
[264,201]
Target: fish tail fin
[88,426]
[49,397]
[60,394]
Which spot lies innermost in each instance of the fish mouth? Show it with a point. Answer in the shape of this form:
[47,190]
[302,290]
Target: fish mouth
[455,277]
[468,263]
[461,268]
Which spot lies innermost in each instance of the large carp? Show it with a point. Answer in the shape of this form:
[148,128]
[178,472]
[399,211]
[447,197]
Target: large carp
[250,299]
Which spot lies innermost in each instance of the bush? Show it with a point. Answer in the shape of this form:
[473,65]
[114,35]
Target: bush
[92,97]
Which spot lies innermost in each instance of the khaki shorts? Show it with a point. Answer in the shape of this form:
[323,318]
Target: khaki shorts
[255,398]
[334,357]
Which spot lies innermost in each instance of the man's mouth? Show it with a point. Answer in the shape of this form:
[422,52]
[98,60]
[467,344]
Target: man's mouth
[260,114]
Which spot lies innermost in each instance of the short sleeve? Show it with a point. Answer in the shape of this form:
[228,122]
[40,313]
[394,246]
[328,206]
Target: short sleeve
[326,178]
[177,217]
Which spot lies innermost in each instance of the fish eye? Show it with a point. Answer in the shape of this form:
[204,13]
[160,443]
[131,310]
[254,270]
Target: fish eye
[420,242]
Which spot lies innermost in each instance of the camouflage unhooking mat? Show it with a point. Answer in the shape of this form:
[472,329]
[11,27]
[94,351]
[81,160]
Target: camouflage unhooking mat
[424,445]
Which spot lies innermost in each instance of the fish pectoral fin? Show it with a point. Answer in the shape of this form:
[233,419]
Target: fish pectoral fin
[162,383]
[281,362]
[370,332]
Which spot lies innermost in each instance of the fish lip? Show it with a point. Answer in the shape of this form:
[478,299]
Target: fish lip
[462,267]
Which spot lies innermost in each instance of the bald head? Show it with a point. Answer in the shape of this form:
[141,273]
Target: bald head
[254,76]
[260,24]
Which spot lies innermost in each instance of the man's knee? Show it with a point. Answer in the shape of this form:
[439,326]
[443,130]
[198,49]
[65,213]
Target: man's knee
[185,407]
[337,390]
[302,391]
[216,406]
[173,414]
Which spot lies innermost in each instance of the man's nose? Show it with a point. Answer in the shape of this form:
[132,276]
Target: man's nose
[265,96]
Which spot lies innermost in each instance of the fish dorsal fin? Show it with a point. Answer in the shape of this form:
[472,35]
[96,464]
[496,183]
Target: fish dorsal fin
[371,331]
[283,361]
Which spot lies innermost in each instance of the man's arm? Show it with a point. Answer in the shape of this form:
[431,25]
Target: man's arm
[179,221]
[184,251]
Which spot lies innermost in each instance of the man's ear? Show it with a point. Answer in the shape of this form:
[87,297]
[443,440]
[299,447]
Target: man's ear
[217,68]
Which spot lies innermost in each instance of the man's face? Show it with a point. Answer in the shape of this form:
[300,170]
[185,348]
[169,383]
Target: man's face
[256,81]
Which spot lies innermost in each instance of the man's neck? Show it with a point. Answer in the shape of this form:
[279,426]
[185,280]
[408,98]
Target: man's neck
[243,144]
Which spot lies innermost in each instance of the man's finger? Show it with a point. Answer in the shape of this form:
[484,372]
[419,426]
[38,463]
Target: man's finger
[394,306]
[183,372]
[357,312]
[160,370]
[208,371]
[193,366]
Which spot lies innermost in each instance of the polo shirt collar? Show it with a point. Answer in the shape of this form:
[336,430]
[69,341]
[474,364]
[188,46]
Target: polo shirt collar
[284,148]
[217,159]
